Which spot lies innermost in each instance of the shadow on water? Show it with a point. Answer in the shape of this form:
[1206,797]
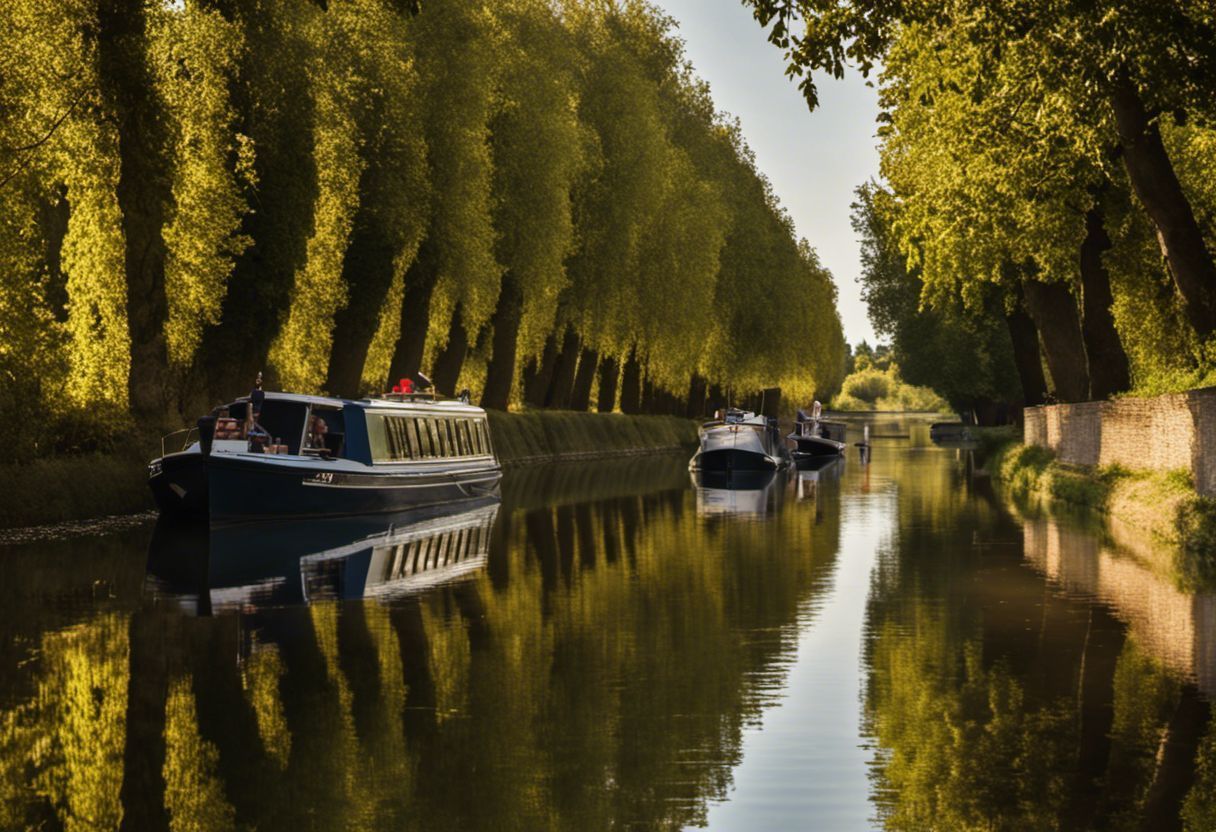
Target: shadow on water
[593,652]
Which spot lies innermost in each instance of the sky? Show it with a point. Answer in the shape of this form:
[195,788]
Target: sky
[814,160]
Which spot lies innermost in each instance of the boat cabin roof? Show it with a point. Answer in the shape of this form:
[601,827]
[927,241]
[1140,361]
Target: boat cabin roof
[453,406]
[734,416]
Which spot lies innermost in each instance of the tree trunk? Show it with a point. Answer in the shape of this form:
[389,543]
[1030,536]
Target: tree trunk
[695,407]
[367,270]
[500,372]
[144,193]
[648,399]
[53,217]
[143,780]
[558,396]
[420,281]
[1109,372]
[1157,186]
[1174,774]
[451,357]
[263,276]
[631,384]
[1055,314]
[537,375]
[716,399]
[580,396]
[1024,336]
[610,373]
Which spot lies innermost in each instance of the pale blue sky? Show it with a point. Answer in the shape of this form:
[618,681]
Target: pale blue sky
[814,160]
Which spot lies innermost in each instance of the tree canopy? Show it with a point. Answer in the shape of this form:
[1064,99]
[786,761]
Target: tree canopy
[1044,171]
[337,193]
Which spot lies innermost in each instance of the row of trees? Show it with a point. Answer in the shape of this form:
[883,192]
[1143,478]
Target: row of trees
[533,199]
[1049,200]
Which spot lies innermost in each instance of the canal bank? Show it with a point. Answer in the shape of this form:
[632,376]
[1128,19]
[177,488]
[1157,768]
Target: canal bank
[1178,524]
[71,488]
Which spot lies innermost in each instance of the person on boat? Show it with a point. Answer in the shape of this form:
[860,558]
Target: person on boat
[257,396]
[257,435]
[316,431]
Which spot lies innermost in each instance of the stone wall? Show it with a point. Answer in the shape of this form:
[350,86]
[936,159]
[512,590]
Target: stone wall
[1163,433]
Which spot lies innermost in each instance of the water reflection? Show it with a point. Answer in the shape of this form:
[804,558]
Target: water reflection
[242,568]
[886,642]
[741,494]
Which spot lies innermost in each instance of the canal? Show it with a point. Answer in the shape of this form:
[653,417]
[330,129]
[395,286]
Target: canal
[887,646]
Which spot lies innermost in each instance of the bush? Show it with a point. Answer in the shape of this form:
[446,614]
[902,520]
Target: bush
[868,386]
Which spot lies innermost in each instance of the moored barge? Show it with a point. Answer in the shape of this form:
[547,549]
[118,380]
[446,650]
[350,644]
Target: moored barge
[281,455]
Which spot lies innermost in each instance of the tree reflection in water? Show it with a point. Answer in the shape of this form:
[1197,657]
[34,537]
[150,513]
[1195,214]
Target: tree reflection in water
[591,660]
[597,672]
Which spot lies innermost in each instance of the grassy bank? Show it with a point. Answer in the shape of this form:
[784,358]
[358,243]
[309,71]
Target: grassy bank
[84,487]
[1164,505]
[74,488]
[538,436]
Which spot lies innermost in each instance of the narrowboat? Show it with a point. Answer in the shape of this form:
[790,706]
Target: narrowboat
[812,438]
[740,441]
[283,455]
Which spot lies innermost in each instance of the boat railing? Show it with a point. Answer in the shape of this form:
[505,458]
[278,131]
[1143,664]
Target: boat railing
[168,440]
[427,396]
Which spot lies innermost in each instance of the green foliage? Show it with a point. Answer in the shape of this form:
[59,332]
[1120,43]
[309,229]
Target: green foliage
[568,145]
[1199,808]
[966,357]
[870,388]
[458,44]
[194,54]
[540,148]
[999,134]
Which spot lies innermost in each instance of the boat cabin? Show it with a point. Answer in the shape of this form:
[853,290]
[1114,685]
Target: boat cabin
[369,431]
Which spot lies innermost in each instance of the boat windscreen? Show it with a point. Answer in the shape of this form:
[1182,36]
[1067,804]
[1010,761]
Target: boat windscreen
[284,421]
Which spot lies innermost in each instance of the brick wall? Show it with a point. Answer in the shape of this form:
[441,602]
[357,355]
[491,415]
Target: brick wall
[1162,433]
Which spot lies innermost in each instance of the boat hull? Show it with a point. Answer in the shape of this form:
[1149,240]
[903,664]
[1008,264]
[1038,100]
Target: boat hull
[815,446]
[726,460]
[240,489]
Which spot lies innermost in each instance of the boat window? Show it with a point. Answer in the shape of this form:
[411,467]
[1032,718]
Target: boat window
[449,427]
[284,421]
[474,441]
[483,437]
[445,433]
[466,443]
[445,437]
[411,433]
[435,444]
[418,432]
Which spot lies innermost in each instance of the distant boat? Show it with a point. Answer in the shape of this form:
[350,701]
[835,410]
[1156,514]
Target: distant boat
[740,441]
[812,437]
[949,432]
[282,455]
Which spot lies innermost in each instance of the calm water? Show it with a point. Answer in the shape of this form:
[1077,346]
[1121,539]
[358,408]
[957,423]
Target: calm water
[884,646]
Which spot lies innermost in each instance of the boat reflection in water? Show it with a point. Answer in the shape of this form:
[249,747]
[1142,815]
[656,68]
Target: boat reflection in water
[740,493]
[811,475]
[238,569]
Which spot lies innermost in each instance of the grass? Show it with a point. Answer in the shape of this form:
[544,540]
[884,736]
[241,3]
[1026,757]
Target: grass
[1163,504]
[85,486]
[74,488]
[539,435]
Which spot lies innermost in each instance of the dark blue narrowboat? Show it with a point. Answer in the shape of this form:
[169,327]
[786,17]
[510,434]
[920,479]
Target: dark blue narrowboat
[282,455]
